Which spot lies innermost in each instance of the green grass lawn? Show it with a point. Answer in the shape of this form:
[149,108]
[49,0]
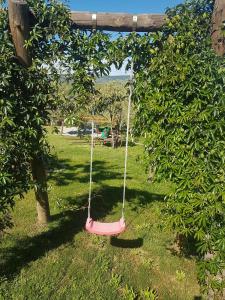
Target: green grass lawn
[65,262]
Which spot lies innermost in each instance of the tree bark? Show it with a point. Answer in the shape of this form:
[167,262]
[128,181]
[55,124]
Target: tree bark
[112,134]
[113,142]
[62,127]
[39,177]
[218,25]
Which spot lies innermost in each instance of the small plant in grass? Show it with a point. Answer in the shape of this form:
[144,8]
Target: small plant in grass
[65,205]
[148,262]
[180,275]
[99,241]
[129,293]
[148,294]
[103,262]
[116,280]
[144,226]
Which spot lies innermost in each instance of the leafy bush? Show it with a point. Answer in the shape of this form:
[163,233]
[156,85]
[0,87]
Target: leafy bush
[13,153]
[180,99]
[28,95]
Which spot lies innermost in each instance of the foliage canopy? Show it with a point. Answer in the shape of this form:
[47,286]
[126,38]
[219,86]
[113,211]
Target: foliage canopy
[180,99]
[28,95]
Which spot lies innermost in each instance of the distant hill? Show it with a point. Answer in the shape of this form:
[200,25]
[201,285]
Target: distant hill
[103,79]
[112,78]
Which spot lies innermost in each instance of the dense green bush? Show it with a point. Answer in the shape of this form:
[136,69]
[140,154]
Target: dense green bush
[13,152]
[181,108]
[28,95]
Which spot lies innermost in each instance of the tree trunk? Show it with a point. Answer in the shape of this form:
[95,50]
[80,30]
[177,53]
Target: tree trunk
[112,134]
[19,25]
[131,136]
[62,127]
[40,179]
[113,144]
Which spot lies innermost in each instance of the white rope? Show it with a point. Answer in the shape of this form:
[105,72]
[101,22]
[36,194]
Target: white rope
[126,150]
[91,163]
[127,138]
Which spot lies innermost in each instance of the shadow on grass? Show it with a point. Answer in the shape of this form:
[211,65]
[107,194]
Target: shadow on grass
[62,172]
[29,249]
[125,243]
[183,247]
[65,226]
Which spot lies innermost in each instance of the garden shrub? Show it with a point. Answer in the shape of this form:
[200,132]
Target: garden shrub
[180,101]
[28,95]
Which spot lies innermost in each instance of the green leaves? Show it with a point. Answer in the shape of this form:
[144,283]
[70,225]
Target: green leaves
[26,98]
[180,101]
[110,102]
[181,109]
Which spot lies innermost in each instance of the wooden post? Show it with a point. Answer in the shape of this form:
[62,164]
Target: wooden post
[19,25]
[218,25]
[218,44]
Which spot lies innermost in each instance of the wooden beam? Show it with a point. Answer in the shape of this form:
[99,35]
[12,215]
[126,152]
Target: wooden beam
[118,21]
[19,26]
[218,26]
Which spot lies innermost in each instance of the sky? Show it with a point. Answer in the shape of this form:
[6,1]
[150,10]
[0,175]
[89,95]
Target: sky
[129,6]
[126,6]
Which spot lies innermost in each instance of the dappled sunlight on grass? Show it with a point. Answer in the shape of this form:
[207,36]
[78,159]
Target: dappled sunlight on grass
[63,261]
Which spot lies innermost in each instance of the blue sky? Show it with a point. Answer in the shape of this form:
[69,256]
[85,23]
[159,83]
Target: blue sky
[127,6]
[131,6]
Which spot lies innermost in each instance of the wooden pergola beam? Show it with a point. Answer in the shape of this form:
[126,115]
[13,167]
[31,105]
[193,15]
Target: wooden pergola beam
[121,22]
[19,15]
[20,18]
[218,27]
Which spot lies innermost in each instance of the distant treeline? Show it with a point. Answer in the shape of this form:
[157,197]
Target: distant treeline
[112,78]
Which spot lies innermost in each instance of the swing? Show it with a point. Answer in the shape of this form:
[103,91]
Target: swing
[114,228]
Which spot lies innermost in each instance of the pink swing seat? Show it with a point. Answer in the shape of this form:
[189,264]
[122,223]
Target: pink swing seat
[99,228]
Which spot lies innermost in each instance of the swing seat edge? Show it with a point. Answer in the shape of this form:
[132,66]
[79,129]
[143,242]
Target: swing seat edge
[101,228]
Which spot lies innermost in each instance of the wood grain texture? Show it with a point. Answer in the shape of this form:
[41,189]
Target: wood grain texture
[218,24]
[19,26]
[118,21]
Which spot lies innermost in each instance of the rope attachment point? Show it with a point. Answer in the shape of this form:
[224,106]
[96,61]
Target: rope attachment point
[94,21]
[135,19]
